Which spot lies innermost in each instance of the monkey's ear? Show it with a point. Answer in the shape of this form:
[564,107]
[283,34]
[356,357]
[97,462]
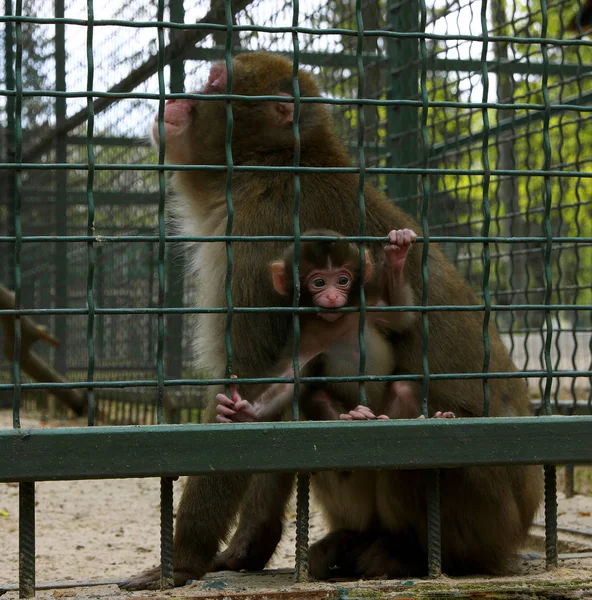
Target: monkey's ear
[279,277]
[216,80]
[284,112]
[368,271]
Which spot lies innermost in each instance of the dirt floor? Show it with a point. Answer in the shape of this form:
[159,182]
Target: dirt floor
[107,530]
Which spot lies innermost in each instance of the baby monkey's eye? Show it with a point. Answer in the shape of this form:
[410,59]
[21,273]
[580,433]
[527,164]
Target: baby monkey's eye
[318,283]
[343,280]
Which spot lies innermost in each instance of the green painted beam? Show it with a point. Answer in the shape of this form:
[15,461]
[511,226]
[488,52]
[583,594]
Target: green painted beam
[104,140]
[109,197]
[522,67]
[334,60]
[464,65]
[166,450]
[505,125]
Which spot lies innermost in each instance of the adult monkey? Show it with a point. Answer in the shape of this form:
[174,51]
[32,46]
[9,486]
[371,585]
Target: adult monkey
[376,529]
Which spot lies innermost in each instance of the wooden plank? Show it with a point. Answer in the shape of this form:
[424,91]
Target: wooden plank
[167,450]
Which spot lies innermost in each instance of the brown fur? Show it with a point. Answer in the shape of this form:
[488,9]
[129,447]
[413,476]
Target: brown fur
[486,511]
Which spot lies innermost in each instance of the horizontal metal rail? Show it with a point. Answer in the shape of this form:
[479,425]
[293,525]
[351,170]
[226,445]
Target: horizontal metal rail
[349,60]
[169,450]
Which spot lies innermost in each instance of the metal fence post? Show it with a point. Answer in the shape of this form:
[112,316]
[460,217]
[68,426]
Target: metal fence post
[174,266]
[61,282]
[402,121]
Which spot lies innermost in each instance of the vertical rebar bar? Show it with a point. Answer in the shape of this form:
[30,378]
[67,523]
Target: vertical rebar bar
[27,539]
[302,479]
[90,227]
[550,470]
[166,483]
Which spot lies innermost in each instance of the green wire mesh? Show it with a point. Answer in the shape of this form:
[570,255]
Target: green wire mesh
[471,115]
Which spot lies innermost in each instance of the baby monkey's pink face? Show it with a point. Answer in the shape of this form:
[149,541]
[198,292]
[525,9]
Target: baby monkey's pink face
[330,288]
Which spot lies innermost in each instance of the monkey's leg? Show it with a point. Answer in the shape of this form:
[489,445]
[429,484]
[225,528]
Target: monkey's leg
[335,556]
[391,555]
[403,400]
[260,526]
[206,511]
[367,554]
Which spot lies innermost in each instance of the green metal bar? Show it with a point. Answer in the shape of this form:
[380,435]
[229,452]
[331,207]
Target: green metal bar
[26,539]
[297,232]
[507,124]
[266,380]
[579,208]
[434,516]
[402,83]
[302,519]
[17,201]
[434,523]
[116,140]
[174,267]
[131,451]
[228,189]
[112,197]
[513,67]
[550,471]
[307,100]
[313,59]
[345,60]
[303,479]
[100,299]
[292,169]
[90,228]
[302,309]
[8,180]
[486,255]
[60,258]
[474,239]
[550,515]
[251,28]
[161,224]
[361,203]
[166,484]
[166,533]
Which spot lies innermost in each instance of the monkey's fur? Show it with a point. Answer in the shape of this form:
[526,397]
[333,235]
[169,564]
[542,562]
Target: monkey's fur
[377,519]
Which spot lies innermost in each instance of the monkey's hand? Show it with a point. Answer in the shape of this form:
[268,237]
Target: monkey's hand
[400,240]
[235,411]
[361,413]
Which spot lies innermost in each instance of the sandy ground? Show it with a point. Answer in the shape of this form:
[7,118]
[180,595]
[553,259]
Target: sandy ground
[107,530]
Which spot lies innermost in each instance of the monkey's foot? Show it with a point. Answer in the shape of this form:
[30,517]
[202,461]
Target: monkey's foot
[333,557]
[444,415]
[237,559]
[361,413]
[150,579]
[249,550]
[441,415]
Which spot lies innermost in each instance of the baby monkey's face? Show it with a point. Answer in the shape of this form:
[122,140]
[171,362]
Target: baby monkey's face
[330,288]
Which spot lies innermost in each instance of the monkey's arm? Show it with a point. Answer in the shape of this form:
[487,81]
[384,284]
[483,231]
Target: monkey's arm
[275,398]
[395,290]
[273,402]
[316,336]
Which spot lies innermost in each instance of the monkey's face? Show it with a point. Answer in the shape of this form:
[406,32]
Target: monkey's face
[330,288]
[196,130]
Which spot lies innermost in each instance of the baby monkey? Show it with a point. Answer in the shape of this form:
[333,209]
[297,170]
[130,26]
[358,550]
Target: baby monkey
[330,274]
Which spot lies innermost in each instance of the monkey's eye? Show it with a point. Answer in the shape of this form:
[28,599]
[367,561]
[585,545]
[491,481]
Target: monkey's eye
[318,283]
[343,280]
